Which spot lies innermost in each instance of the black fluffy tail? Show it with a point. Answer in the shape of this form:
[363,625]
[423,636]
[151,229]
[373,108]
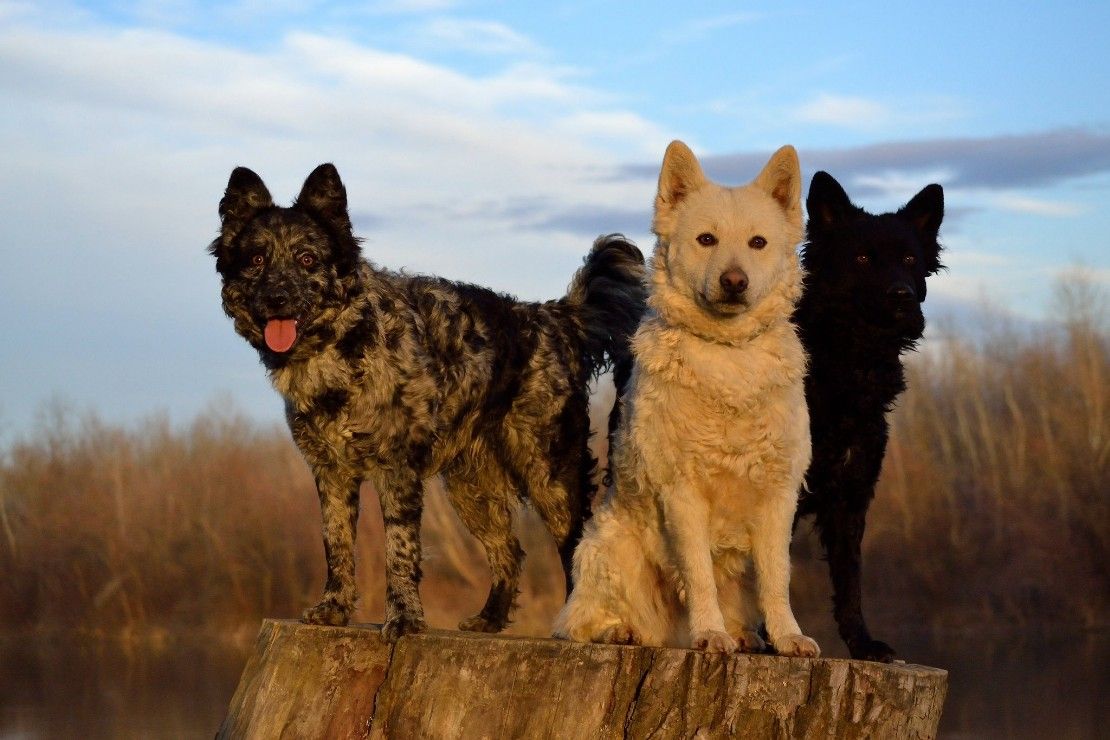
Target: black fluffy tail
[610,287]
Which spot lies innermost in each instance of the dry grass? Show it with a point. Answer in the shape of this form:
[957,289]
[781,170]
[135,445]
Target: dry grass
[992,510]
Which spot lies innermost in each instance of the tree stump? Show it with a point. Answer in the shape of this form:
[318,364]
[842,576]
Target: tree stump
[305,681]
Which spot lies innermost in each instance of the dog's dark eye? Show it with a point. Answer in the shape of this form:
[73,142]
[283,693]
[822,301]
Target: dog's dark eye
[863,259]
[707,240]
[910,260]
[258,260]
[757,242]
[306,260]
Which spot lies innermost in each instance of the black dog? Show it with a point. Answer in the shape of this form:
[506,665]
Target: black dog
[395,378]
[865,281]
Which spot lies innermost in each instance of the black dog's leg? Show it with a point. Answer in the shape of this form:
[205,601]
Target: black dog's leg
[402,502]
[339,507]
[841,533]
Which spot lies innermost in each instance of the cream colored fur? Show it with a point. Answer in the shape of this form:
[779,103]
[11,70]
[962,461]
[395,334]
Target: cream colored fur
[691,546]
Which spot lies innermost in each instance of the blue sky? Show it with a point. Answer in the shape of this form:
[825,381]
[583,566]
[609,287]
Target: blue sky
[490,141]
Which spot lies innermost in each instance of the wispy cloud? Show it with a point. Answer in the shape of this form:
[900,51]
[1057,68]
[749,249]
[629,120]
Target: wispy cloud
[859,113]
[844,110]
[1035,206]
[476,36]
[708,24]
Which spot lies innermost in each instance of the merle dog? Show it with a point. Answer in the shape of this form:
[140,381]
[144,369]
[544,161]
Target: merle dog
[394,378]
[861,309]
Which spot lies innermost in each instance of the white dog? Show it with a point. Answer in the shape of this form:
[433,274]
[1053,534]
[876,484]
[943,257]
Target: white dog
[691,547]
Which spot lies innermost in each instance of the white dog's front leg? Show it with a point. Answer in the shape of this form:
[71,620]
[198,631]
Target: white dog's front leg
[686,523]
[771,555]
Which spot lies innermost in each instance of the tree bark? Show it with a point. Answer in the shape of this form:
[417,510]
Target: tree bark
[338,682]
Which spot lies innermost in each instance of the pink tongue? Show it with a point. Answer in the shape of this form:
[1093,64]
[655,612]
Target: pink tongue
[280,334]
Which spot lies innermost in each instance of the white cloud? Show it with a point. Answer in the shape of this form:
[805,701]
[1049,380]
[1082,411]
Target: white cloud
[717,22]
[479,37]
[843,110]
[1035,206]
[623,131]
[866,114]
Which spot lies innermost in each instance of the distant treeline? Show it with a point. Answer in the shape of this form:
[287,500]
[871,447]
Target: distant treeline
[992,511]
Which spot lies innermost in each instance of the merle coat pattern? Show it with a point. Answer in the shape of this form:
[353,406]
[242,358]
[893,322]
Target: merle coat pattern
[392,379]
[861,309]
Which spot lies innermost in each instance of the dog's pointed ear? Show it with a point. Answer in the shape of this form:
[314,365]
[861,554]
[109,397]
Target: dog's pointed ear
[244,197]
[681,175]
[781,178]
[925,211]
[827,203]
[324,196]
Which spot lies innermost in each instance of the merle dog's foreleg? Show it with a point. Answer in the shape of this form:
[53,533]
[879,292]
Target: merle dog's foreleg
[842,534]
[339,508]
[402,501]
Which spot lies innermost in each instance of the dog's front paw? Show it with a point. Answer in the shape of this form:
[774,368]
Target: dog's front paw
[619,634]
[479,623]
[798,646]
[713,641]
[875,650]
[750,641]
[327,612]
[403,624]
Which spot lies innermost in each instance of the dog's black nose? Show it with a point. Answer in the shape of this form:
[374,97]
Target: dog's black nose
[278,303]
[734,281]
[901,292]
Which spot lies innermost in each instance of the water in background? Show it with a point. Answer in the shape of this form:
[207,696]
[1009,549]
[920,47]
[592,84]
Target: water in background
[998,687]
[82,689]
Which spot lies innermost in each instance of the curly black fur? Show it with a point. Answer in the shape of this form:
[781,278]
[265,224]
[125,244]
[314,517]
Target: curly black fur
[861,309]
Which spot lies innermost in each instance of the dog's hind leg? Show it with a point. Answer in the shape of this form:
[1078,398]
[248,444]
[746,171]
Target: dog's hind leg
[338,492]
[484,507]
[560,483]
[557,506]
[401,493]
[617,595]
[841,528]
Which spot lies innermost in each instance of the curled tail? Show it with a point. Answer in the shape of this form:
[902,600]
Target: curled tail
[610,287]
[610,291]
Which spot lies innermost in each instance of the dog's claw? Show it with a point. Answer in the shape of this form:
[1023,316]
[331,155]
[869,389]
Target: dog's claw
[798,646]
[327,612]
[620,634]
[397,627]
[713,641]
[478,623]
[749,641]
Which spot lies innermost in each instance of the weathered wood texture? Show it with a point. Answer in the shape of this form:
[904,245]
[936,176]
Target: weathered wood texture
[338,682]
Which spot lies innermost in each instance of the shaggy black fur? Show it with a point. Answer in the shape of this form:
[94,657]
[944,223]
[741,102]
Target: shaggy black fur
[393,379]
[864,284]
